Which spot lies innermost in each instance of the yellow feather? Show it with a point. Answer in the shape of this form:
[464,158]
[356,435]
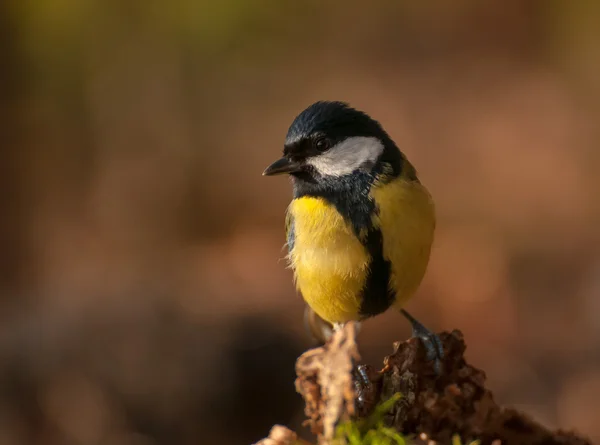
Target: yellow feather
[406,219]
[329,262]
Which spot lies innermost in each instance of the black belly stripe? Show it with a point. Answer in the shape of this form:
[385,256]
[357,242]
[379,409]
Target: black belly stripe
[377,293]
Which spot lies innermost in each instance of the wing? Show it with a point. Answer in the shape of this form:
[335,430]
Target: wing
[289,230]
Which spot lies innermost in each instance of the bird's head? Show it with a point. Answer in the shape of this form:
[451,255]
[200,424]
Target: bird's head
[331,140]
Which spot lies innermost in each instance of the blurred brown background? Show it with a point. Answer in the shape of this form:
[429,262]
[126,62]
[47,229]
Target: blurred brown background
[143,299]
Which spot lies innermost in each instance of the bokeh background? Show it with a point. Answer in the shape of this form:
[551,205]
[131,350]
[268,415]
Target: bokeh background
[143,296]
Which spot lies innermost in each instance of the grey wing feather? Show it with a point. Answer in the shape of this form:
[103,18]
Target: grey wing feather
[289,231]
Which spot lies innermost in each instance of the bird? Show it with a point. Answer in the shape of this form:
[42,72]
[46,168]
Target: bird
[360,226]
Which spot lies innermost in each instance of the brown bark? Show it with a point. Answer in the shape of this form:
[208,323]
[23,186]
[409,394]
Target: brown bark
[431,407]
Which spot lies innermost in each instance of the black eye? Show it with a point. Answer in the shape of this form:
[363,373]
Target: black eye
[322,144]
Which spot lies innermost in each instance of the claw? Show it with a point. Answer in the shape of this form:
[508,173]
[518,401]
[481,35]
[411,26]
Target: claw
[365,391]
[433,345]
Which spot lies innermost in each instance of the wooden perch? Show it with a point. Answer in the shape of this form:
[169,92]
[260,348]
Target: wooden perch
[431,408]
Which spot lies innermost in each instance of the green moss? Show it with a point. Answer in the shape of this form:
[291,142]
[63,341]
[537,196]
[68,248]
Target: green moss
[372,430]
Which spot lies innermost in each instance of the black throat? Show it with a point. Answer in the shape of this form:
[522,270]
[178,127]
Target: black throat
[348,194]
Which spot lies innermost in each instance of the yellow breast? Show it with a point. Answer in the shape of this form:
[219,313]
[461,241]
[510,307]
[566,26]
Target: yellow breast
[329,262]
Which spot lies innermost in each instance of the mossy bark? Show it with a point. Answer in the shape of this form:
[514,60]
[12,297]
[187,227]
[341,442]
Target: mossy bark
[432,407]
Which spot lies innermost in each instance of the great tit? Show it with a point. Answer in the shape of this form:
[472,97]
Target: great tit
[360,226]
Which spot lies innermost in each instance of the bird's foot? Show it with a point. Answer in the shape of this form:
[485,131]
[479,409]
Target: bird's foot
[365,390]
[433,345]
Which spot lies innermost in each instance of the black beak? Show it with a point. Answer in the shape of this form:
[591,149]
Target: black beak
[283,165]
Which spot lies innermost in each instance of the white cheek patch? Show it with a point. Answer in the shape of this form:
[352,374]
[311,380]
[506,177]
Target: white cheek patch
[347,156]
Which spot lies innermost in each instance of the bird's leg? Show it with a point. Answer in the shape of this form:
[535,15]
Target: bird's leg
[433,344]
